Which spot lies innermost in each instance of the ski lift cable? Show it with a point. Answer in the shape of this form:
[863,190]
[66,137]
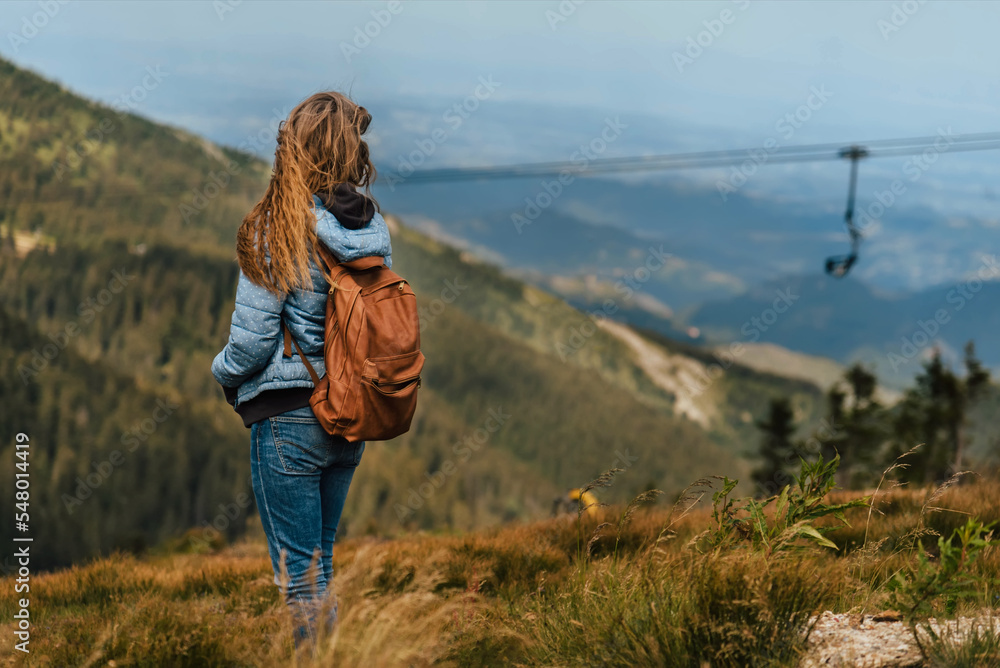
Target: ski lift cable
[879,148]
[705,159]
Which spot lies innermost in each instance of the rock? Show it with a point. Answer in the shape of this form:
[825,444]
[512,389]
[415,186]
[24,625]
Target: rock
[882,640]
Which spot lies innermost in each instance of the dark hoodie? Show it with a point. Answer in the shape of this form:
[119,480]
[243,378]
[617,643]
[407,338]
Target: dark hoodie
[353,210]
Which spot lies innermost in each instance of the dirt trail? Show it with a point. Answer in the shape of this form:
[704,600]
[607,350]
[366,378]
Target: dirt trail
[676,374]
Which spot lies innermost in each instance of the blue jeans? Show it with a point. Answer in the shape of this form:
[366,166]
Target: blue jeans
[301,476]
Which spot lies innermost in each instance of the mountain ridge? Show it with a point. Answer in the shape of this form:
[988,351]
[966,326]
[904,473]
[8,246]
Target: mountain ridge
[892,333]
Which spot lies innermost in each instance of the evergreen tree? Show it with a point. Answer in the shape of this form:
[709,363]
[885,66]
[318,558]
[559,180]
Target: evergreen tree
[776,447]
[977,379]
[933,413]
[831,436]
[856,426]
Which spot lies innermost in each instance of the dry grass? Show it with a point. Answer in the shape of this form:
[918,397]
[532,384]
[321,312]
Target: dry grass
[516,595]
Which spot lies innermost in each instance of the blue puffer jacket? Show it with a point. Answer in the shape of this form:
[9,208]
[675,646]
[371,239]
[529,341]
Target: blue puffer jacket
[252,360]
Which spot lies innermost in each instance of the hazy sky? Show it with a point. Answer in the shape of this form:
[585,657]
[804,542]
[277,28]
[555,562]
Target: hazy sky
[686,76]
[939,66]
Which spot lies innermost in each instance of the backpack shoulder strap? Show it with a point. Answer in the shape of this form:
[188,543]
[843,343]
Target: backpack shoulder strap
[289,341]
[347,269]
[327,259]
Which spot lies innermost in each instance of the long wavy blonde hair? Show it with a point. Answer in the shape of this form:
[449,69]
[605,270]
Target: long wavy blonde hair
[319,147]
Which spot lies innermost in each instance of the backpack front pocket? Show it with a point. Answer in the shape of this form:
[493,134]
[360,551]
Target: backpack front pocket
[386,371]
[388,393]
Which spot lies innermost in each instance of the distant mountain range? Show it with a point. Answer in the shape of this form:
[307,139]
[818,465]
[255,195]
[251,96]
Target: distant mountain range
[846,320]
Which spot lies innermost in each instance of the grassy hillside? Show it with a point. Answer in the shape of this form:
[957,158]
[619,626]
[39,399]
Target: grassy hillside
[538,594]
[104,270]
[112,465]
[84,173]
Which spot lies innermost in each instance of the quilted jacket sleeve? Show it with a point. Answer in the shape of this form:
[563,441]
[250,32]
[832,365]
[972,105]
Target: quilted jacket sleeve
[253,335]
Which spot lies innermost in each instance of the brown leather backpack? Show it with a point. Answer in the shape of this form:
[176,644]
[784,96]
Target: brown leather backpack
[371,349]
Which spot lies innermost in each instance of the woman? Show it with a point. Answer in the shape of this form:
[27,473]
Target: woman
[300,473]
